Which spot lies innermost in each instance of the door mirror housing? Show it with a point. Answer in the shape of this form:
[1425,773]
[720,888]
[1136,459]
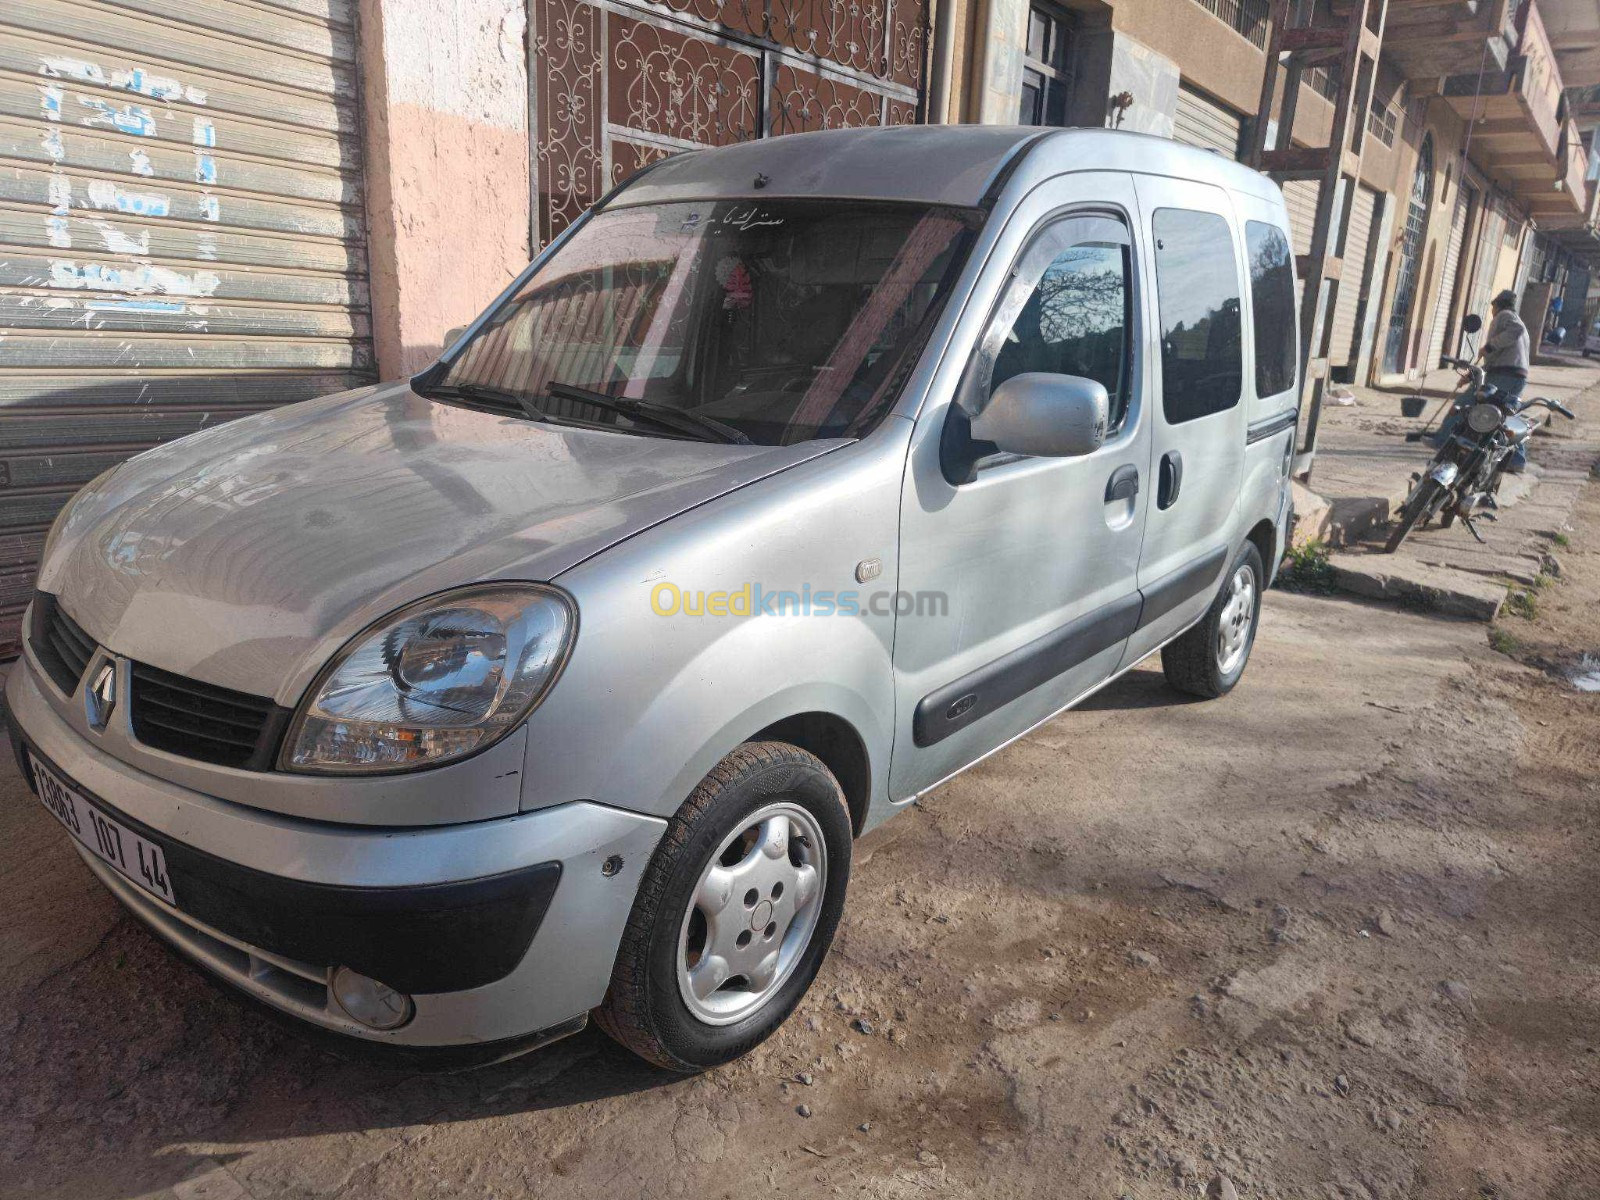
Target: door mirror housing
[1045,416]
[452,336]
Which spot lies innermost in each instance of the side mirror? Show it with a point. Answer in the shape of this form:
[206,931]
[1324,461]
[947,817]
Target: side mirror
[1045,416]
[452,336]
[1471,323]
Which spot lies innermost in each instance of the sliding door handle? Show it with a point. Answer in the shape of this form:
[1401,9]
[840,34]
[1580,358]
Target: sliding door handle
[1171,481]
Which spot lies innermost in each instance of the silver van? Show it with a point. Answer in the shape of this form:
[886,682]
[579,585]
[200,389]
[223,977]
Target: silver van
[791,480]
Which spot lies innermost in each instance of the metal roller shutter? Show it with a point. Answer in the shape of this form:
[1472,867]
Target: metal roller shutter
[1201,121]
[181,236]
[1352,285]
[1300,197]
[1447,282]
[1491,228]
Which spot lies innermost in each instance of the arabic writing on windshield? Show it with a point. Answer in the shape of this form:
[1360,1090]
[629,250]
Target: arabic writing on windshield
[786,320]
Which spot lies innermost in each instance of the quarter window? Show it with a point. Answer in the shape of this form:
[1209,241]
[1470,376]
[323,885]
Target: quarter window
[1067,312]
[1272,307]
[1197,280]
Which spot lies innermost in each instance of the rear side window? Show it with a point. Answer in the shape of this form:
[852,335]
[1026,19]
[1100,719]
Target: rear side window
[1197,281]
[1272,306]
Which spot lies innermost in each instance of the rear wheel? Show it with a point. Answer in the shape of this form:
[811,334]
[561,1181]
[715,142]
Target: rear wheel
[1418,505]
[735,912]
[1210,658]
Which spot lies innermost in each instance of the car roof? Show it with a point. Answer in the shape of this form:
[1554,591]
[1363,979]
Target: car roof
[935,164]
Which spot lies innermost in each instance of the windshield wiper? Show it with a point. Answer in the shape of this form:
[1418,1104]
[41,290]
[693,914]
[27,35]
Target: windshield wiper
[678,419]
[482,393]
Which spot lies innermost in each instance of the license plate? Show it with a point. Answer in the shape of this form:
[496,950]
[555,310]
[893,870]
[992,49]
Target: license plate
[139,860]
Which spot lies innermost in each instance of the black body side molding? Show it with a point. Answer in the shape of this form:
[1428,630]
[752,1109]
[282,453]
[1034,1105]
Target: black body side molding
[1172,589]
[978,693]
[1261,430]
[961,702]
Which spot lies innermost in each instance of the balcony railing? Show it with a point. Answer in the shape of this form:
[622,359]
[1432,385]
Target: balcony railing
[1247,17]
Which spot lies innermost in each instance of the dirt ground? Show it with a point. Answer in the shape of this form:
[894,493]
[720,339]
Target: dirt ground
[1336,935]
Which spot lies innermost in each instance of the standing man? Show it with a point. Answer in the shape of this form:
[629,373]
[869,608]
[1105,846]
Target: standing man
[1505,358]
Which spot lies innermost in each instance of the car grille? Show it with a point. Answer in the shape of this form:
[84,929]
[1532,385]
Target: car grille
[60,644]
[202,721]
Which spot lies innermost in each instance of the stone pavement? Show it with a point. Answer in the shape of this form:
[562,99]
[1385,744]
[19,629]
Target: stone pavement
[1364,469]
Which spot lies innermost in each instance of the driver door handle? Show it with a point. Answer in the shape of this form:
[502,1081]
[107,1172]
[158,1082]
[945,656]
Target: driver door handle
[1123,484]
[1171,479]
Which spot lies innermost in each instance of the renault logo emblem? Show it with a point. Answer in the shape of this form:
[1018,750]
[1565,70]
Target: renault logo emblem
[100,697]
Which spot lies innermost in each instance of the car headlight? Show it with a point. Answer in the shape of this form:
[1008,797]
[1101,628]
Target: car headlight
[438,680]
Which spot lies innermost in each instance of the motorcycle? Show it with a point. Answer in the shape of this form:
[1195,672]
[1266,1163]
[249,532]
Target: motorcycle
[1465,473]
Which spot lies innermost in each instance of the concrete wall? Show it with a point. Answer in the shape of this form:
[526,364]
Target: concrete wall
[445,89]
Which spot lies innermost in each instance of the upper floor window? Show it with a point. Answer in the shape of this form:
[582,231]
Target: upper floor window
[1383,121]
[1046,67]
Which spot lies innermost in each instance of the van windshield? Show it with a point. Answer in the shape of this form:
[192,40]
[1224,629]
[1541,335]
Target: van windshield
[768,322]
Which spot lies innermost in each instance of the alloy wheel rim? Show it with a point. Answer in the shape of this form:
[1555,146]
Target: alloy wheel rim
[752,914]
[1238,613]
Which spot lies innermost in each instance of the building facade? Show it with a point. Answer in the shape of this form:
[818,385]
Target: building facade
[1474,174]
[210,209]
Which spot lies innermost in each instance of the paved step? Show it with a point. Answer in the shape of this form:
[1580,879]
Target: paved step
[1448,571]
[1419,585]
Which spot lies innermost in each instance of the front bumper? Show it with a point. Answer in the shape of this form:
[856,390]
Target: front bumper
[499,929]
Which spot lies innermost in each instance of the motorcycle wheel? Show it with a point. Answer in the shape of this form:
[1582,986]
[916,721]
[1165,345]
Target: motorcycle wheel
[1447,518]
[1418,505]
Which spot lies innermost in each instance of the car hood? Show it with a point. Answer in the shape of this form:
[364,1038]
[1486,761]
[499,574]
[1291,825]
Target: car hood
[245,555]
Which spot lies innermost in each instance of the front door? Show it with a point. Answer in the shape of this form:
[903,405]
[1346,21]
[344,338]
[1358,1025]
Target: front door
[1412,238]
[1199,417]
[1035,557]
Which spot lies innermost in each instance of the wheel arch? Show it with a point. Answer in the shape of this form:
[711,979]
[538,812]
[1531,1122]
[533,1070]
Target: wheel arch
[840,747]
[1264,536]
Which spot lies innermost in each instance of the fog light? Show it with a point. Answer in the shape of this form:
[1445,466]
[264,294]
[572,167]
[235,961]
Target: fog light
[376,1005]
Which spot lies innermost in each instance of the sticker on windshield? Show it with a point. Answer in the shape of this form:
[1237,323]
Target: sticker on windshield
[750,218]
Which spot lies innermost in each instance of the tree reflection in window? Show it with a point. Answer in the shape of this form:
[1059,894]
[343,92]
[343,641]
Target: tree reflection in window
[1272,307]
[1075,318]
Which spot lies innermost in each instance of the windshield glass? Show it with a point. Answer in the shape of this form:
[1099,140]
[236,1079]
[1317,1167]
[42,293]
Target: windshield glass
[773,322]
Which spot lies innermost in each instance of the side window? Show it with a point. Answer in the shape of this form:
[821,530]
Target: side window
[1272,307]
[1067,312]
[1197,280]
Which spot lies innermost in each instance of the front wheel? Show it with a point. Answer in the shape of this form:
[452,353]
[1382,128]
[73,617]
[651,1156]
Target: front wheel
[1209,659]
[1418,505]
[735,912]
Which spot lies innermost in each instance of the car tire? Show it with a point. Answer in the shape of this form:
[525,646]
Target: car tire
[689,926]
[1211,657]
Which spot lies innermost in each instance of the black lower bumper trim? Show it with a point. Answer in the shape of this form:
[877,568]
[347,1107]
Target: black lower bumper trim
[443,937]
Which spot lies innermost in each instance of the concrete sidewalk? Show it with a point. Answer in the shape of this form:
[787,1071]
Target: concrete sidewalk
[1364,469]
